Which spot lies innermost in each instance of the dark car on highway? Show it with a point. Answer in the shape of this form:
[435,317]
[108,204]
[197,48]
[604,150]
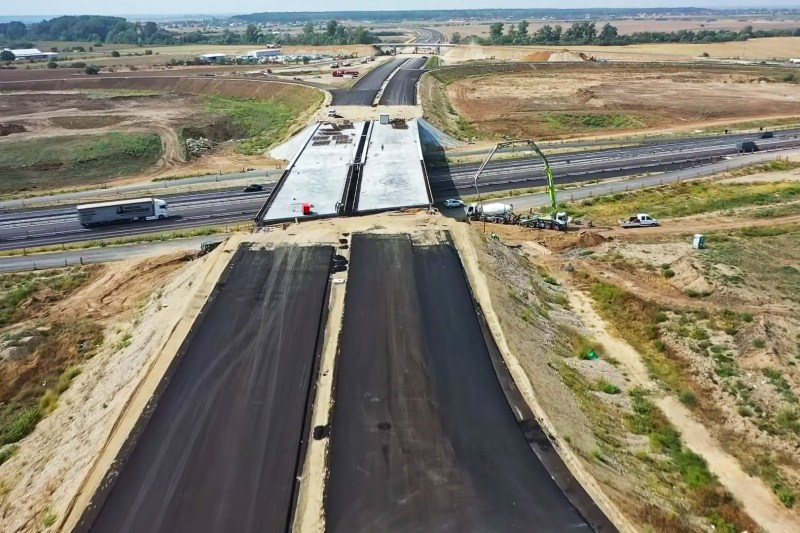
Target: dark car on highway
[747,146]
[255,187]
[765,135]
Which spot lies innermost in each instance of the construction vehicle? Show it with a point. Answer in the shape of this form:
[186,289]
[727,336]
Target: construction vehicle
[642,220]
[138,209]
[560,221]
[341,73]
[557,220]
[495,212]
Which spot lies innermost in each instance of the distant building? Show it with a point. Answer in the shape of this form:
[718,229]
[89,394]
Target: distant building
[262,54]
[25,54]
[211,58]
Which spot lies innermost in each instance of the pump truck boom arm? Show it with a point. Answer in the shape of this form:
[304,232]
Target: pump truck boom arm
[547,170]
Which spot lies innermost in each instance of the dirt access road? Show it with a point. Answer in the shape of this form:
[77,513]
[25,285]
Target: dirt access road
[232,416]
[422,435]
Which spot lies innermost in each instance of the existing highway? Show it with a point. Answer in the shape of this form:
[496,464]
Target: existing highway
[422,435]
[48,226]
[601,164]
[222,449]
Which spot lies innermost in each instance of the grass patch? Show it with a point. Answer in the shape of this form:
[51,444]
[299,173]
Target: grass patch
[261,123]
[764,467]
[591,121]
[433,62]
[691,198]
[637,322]
[75,160]
[606,387]
[15,288]
[49,518]
[7,452]
[16,423]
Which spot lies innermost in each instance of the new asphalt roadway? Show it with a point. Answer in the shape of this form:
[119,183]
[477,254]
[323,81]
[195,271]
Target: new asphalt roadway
[222,448]
[364,91]
[402,88]
[422,436]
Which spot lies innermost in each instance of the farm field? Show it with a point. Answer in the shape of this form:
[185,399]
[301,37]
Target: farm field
[238,120]
[628,26]
[781,48]
[553,101]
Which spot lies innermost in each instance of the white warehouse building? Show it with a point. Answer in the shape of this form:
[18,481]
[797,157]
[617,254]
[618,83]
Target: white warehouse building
[263,54]
[31,53]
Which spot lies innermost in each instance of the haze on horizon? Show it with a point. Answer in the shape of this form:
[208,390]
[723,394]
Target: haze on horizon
[212,7]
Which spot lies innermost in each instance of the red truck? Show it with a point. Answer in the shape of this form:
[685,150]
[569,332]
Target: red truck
[341,73]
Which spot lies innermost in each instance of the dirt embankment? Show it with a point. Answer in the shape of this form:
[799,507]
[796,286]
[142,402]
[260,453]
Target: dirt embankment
[136,305]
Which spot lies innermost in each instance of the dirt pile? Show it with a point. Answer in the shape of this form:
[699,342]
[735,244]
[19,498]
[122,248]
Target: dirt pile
[587,239]
[119,288]
[538,57]
[567,56]
[7,128]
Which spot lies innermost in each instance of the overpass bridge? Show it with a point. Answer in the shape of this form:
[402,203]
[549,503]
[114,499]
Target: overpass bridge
[435,48]
[351,168]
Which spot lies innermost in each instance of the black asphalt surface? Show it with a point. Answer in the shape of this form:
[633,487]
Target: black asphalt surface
[364,91]
[222,449]
[402,88]
[422,436]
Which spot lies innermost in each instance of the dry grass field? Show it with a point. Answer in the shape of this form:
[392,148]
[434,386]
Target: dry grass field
[629,26]
[555,100]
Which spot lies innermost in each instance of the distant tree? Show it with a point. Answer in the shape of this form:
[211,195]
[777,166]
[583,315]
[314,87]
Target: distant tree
[308,29]
[114,53]
[252,34]
[455,38]
[609,34]
[91,70]
[496,31]
[16,30]
[545,34]
[54,49]
[331,27]
[522,28]
[149,29]
[52,64]
[148,52]
[7,55]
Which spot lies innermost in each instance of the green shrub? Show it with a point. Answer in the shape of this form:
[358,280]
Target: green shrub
[20,426]
[7,452]
[606,387]
[758,342]
[687,397]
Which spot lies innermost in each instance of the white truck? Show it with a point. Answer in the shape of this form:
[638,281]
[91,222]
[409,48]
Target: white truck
[642,220]
[495,212]
[137,209]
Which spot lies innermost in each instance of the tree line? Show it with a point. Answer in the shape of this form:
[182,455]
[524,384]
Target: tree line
[96,29]
[288,17]
[332,33]
[586,32]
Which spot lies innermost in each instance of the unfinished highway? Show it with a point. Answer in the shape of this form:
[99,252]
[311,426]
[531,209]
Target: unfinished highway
[220,449]
[423,437]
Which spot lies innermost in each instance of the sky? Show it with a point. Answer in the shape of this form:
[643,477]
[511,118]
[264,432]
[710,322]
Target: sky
[176,7]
